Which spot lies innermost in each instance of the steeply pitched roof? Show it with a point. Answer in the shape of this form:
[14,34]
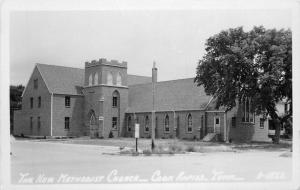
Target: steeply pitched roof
[62,80]
[68,80]
[181,94]
[135,79]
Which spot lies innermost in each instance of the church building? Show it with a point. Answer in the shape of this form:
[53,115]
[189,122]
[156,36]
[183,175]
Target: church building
[103,101]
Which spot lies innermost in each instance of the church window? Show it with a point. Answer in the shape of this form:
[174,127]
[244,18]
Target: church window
[147,122]
[190,123]
[167,128]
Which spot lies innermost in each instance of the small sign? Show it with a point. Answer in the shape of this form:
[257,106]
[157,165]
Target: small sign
[101,118]
[137,131]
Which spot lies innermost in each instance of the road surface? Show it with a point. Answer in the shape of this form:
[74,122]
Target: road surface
[48,162]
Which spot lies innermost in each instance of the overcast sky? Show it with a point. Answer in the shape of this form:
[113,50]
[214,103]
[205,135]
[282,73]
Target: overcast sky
[175,39]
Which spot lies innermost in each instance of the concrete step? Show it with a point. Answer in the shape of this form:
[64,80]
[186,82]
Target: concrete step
[209,137]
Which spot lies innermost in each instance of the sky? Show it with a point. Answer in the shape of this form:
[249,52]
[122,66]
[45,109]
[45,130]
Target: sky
[174,39]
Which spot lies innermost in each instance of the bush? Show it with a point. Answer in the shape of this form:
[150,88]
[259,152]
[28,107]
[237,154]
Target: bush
[111,135]
[147,152]
[190,148]
[176,148]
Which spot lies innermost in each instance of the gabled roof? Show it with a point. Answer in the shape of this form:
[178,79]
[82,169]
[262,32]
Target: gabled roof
[62,80]
[181,94]
[136,79]
[68,80]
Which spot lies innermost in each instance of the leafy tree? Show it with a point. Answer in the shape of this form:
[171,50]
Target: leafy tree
[15,102]
[255,64]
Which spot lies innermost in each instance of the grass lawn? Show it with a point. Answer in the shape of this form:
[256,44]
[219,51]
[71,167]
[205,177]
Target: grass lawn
[178,144]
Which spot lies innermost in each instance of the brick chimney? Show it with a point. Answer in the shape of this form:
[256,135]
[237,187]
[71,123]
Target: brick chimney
[154,73]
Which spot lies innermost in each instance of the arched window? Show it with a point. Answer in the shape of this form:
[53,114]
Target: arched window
[92,119]
[119,79]
[90,80]
[147,124]
[189,123]
[167,128]
[115,99]
[96,79]
[129,124]
[109,78]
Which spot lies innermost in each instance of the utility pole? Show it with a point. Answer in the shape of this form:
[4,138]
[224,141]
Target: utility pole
[154,80]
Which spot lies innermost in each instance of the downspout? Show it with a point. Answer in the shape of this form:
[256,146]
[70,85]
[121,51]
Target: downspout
[51,115]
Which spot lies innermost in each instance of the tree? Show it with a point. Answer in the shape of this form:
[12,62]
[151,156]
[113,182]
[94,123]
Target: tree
[255,64]
[15,102]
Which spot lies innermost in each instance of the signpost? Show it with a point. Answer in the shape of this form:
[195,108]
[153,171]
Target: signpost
[136,135]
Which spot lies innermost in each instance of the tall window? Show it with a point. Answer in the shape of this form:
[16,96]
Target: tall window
[261,123]
[248,115]
[96,79]
[190,123]
[31,102]
[119,79]
[114,122]
[31,123]
[90,80]
[129,124]
[109,78]
[115,99]
[67,101]
[39,102]
[67,123]
[35,84]
[147,122]
[92,119]
[39,122]
[167,128]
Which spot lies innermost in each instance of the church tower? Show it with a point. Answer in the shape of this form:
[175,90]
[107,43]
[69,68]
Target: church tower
[105,98]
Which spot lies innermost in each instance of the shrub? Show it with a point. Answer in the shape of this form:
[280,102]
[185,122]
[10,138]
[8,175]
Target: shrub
[176,148]
[111,135]
[190,148]
[147,152]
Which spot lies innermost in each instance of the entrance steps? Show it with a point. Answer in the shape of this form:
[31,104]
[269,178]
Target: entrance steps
[210,137]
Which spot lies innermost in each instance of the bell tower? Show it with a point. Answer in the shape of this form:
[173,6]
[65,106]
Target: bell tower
[106,96]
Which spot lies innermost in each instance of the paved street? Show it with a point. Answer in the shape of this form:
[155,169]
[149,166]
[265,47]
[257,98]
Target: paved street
[48,162]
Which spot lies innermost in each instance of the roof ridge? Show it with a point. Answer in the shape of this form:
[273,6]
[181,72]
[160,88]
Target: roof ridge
[139,75]
[59,66]
[166,81]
